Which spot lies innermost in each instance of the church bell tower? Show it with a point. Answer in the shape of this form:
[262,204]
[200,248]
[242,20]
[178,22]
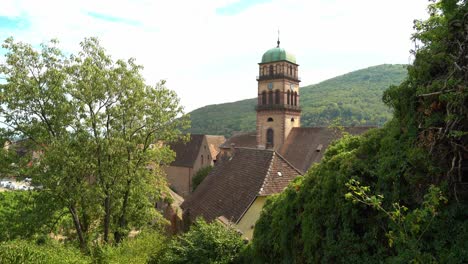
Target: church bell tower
[277,108]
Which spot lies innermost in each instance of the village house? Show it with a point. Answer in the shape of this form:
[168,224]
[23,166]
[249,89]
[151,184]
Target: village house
[251,166]
[199,152]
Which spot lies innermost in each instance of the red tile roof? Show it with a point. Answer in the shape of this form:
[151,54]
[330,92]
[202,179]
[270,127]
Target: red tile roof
[236,181]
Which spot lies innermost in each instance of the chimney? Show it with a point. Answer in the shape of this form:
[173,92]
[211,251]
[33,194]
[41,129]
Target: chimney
[233,146]
[319,148]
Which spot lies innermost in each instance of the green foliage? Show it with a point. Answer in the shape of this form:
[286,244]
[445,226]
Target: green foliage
[137,250]
[355,98]
[200,176]
[28,252]
[406,227]
[24,214]
[203,243]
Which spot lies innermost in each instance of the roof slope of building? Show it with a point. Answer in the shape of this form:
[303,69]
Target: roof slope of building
[214,142]
[186,153]
[236,181]
[306,145]
[242,140]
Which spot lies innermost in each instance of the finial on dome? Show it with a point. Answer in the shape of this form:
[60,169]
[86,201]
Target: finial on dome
[278,42]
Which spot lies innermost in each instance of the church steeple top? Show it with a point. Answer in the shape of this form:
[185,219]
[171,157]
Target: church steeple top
[278,54]
[278,42]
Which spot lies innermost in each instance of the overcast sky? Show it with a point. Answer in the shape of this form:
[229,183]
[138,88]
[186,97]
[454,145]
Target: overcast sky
[208,50]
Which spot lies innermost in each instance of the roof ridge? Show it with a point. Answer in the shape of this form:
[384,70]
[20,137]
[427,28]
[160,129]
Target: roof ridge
[289,163]
[268,172]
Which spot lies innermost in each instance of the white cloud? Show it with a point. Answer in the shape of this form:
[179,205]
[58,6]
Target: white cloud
[209,58]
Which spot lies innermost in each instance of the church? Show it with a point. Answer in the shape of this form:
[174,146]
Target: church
[252,166]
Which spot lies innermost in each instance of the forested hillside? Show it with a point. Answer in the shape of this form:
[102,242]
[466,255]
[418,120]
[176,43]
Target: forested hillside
[399,193]
[355,98]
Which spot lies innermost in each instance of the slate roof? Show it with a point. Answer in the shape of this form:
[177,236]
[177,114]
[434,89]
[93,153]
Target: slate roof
[236,181]
[186,153]
[300,148]
[242,140]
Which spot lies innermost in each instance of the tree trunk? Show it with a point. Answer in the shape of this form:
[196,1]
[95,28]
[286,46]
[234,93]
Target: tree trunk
[119,234]
[79,231]
[107,217]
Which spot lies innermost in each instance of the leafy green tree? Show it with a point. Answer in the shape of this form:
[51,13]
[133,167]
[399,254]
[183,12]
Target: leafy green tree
[200,176]
[98,128]
[203,243]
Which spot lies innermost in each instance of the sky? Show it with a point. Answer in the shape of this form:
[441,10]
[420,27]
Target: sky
[208,50]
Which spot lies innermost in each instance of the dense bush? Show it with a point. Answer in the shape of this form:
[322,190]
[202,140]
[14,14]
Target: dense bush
[200,176]
[137,250]
[203,243]
[29,252]
[24,214]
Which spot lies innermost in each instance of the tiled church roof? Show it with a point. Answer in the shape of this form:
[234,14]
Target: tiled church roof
[306,145]
[236,181]
[242,140]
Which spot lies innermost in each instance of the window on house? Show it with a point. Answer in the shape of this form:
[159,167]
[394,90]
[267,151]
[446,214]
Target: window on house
[292,119]
[202,160]
[264,98]
[270,119]
[270,97]
[277,97]
[269,138]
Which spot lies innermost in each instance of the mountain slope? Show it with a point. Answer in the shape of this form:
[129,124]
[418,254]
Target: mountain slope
[354,98]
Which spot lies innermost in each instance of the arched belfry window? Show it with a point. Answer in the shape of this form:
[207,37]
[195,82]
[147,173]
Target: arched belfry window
[288,97]
[270,119]
[270,97]
[264,98]
[271,69]
[295,98]
[277,97]
[269,138]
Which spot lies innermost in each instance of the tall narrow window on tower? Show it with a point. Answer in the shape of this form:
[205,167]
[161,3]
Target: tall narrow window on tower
[264,98]
[269,138]
[277,97]
[270,97]
[295,98]
[288,97]
[271,70]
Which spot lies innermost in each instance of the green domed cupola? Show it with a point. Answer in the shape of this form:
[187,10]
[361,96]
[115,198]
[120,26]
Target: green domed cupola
[278,54]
